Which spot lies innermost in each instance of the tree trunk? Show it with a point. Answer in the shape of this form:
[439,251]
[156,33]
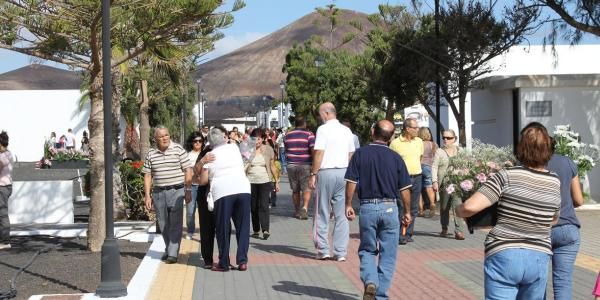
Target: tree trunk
[96,223]
[461,119]
[118,205]
[389,111]
[132,143]
[144,120]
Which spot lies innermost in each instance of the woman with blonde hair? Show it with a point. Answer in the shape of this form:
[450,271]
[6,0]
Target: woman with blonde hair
[429,148]
[448,203]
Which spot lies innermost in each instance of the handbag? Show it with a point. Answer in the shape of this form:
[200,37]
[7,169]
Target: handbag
[210,200]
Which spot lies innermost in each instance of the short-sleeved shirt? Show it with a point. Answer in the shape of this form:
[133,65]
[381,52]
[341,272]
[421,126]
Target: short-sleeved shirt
[168,167]
[566,171]
[298,144]
[378,171]
[70,142]
[226,173]
[6,167]
[527,201]
[411,152]
[337,143]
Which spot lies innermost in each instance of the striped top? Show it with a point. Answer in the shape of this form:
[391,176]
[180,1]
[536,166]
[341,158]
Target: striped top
[528,200]
[298,144]
[167,168]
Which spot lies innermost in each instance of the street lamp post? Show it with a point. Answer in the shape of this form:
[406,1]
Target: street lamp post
[110,265]
[319,62]
[282,115]
[202,105]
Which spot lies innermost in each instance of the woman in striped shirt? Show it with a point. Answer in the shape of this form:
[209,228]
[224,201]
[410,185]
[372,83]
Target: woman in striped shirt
[518,248]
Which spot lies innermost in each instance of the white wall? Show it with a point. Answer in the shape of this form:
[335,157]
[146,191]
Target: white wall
[578,107]
[30,116]
[492,116]
[41,202]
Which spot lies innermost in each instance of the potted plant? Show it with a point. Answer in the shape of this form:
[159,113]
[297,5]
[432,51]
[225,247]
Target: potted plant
[469,169]
[585,156]
[69,159]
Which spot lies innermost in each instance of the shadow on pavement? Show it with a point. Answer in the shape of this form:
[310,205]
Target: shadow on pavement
[283,249]
[296,289]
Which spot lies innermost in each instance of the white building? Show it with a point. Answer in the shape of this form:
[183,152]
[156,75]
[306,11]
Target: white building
[529,84]
[37,100]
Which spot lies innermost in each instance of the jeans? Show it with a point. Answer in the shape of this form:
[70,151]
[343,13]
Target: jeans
[282,160]
[516,274]
[190,211]
[379,232]
[415,191]
[565,245]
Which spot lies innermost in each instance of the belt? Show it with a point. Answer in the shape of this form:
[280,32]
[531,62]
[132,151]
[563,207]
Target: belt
[416,175]
[169,187]
[377,201]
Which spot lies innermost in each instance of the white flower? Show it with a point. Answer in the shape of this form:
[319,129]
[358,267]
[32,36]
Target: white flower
[575,144]
[562,127]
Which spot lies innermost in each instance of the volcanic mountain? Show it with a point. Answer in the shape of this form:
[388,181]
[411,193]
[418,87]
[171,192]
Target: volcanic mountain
[253,72]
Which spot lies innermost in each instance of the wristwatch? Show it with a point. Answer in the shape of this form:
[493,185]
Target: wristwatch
[313,174]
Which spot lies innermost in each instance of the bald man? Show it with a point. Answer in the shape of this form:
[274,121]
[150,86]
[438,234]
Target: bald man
[334,146]
[382,178]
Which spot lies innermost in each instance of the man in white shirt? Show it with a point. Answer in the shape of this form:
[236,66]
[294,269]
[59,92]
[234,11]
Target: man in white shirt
[334,146]
[70,140]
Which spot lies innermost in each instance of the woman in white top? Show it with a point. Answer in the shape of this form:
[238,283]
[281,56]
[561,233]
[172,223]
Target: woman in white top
[230,189]
[6,167]
[193,145]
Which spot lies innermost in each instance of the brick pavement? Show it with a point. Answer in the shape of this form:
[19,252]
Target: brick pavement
[284,267]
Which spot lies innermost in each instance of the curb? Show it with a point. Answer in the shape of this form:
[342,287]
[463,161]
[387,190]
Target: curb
[138,287]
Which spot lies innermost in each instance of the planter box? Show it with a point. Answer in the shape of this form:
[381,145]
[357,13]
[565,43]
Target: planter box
[70,164]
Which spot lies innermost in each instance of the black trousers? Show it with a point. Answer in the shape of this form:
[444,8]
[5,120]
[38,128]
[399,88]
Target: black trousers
[260,195]
[207,225]
[5,192]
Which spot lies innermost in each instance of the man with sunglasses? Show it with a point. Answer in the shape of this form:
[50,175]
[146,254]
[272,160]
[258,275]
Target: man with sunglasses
[410,148]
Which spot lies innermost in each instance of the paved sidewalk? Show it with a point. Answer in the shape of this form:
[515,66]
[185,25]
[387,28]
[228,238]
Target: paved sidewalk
[284,267]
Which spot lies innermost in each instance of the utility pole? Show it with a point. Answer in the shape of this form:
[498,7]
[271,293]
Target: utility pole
[437,72]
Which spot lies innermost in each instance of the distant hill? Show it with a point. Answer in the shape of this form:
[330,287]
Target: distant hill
[254,70]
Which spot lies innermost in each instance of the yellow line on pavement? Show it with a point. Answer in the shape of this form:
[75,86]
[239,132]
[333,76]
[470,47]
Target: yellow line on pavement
[588,262]
[176,281]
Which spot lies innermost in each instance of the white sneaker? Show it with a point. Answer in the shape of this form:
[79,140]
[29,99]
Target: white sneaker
[5,246]
[188,236]
[323,256]
[341,258]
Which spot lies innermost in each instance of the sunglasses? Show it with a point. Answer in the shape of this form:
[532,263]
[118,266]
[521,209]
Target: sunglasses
[448,137]
[197,141]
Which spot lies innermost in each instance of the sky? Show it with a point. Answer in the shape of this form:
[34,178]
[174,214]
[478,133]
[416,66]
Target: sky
[257,19]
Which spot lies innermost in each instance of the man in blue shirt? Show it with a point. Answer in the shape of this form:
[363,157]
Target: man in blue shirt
[382,178]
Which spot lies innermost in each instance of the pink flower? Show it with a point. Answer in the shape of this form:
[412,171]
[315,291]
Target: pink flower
[481,177]
[492,165]
[466,185]
[450,189]
[508,163]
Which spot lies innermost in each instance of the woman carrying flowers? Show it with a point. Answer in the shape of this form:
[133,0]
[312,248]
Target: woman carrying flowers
[448,202]
[518,248]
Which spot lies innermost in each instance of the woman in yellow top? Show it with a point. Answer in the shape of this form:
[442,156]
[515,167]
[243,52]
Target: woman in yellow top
[261,171]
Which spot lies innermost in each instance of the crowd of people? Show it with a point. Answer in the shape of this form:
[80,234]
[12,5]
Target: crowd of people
[394,180]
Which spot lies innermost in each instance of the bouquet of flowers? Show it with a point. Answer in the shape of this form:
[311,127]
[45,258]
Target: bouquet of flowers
[568,143]
[247,149]
[468,170]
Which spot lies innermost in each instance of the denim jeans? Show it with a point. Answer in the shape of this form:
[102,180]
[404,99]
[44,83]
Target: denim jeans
[379,233]
[516,274]
[415,191]
[282,160]
[565,245]
[190,211]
